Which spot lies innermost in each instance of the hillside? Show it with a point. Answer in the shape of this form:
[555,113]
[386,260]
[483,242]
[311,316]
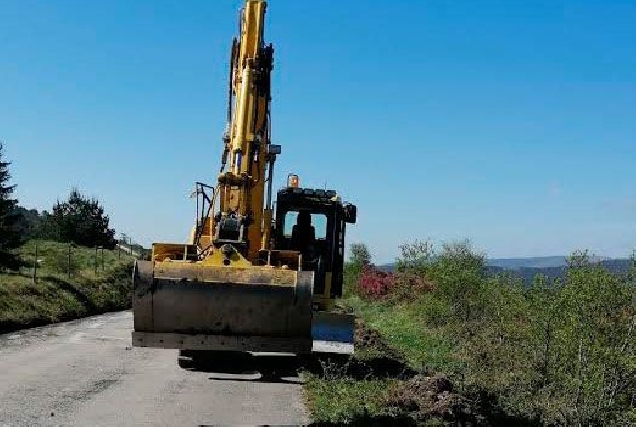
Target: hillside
[97,283]
[445,343]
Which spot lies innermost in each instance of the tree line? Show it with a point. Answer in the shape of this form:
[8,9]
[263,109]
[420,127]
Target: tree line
[79,219]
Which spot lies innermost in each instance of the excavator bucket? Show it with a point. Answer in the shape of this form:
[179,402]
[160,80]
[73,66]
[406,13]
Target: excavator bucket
[190,306]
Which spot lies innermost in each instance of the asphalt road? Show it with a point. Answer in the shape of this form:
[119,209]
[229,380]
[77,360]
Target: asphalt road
[85,373]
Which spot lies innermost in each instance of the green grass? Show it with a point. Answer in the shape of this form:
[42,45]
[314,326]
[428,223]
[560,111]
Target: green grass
[345,400]
[54,296]
[403,327]
[85,262]
[337,398]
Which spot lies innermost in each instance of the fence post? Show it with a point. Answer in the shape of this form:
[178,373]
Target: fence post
[103,259]
[96,261]
[69,260]
[35,264]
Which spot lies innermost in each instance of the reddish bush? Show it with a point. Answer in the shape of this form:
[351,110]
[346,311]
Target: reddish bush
[378,284]
[374,283]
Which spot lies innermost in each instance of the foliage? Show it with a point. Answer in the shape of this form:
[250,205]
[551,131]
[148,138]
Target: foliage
[561,351]
[416,257]
[28,222]
[82,221]
[407,282]
[360,254]
[343,400]
[459,274]
[360,259]
[374,283]
[10,238]
[55,297]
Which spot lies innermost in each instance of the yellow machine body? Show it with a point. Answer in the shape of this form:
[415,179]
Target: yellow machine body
[236,285]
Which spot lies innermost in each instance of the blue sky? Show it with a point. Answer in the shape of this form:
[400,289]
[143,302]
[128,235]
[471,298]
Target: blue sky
[509,123]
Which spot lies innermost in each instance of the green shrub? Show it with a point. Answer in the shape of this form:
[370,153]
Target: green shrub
[562,351]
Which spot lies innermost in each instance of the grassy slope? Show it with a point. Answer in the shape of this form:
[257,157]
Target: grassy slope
[404,329]
[496,357]
[55,297]
[345,400]
[336,398]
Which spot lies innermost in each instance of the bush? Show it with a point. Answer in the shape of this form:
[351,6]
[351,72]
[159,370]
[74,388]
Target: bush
[82,221]
[561,351]
[360,259]
[374,283]
[409,286]
[459,274]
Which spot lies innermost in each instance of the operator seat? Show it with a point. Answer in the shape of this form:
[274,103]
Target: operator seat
[303,236]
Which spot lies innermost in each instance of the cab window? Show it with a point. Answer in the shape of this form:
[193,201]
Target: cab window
[319,222]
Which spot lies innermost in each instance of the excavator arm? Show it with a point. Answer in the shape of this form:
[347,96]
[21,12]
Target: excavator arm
[243,220]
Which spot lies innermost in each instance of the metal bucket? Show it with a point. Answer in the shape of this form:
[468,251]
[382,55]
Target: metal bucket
[188,305]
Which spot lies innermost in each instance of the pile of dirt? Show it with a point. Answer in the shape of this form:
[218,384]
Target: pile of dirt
[366,338]
[429,397]
[381,360]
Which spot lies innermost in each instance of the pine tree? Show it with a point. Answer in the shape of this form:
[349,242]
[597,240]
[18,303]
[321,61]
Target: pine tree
[10,238]
[82,221]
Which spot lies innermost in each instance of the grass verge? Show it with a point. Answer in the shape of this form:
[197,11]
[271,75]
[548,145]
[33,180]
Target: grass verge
[403,373]
[96,285]
[345,400]
[403,328]
[359,390]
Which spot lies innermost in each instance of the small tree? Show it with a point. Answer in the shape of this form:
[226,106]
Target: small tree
[360,254]
[82,221]
[459,274]
[359,259]
[29,223]
[416,257]
[9,234]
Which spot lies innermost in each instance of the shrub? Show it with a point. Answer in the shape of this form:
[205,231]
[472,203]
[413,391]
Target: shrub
[374,283]
[360,259]
[459,274]
[409,286]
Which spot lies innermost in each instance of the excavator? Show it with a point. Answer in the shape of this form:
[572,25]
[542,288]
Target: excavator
[255,276]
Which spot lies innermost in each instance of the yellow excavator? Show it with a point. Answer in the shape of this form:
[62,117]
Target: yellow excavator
[249,280]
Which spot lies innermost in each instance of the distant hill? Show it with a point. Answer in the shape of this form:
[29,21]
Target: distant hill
[550,266]
[535,262]
[617,266]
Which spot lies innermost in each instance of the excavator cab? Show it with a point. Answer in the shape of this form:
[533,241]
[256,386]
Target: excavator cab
[313,222]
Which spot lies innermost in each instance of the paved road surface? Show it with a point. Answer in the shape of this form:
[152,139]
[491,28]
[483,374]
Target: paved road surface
[85,373]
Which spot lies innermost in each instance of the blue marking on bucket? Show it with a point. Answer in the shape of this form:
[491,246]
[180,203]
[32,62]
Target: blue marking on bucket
[331,332]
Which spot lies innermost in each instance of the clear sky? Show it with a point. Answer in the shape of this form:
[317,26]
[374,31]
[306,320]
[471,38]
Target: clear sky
[512,123]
